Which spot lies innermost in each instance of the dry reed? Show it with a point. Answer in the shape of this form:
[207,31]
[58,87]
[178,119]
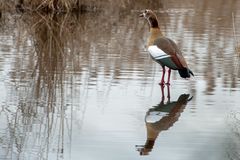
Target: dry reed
[55,5]
[75,5]
[237,47]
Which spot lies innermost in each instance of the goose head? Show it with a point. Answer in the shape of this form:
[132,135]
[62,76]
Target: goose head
[151,17]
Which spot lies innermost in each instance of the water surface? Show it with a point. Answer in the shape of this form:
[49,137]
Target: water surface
[82,86]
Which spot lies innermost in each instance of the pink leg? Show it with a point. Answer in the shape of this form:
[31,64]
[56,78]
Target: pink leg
[169,75]
[162,90]
[163,75]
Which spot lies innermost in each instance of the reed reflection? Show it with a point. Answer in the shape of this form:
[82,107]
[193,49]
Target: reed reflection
[38,122]
[161,117]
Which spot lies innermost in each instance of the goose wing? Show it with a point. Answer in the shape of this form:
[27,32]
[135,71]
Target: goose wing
[164,47]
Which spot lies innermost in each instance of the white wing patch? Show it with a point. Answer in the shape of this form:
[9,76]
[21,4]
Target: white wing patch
[155,116]
[157,53]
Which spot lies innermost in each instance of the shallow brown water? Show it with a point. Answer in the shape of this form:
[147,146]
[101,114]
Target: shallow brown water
[83,86]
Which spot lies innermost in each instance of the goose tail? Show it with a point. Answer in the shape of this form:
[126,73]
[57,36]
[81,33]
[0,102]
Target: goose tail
[185,73]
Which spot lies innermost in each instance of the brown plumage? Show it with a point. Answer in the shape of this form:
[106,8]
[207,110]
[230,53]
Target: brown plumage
[163,50]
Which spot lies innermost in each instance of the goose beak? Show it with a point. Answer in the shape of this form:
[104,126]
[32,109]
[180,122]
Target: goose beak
[141,15]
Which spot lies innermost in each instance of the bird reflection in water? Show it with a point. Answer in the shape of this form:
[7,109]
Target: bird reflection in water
[162,117]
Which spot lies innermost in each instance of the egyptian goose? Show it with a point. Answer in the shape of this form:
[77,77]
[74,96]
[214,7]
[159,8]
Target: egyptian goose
[163,50]
[161,118]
